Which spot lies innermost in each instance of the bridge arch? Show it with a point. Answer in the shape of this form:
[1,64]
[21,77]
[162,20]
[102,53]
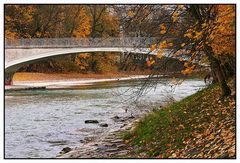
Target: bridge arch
[41,54]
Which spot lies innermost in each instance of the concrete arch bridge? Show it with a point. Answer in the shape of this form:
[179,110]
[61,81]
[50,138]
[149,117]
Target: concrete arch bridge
[26,51]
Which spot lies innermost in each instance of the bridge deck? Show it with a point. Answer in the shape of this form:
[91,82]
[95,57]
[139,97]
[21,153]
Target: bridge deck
[128,42]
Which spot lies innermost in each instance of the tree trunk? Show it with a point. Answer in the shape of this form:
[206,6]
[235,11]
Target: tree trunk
[216,67]
[93,62]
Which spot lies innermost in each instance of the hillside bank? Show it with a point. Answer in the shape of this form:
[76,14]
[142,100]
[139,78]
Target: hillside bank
[200,126]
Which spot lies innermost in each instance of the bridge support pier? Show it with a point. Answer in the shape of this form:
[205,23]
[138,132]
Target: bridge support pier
[8,78]
[122,57]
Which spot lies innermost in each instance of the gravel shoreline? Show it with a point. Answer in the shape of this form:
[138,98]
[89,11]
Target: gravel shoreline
[108,145]
[60,84]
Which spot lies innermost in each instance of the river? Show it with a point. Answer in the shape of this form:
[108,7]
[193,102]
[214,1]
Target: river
[40,123]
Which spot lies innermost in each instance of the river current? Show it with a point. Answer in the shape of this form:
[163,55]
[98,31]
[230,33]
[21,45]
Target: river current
[40,123]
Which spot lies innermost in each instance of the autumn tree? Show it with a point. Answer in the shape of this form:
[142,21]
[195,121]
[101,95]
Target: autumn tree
[196,34]
[104,23]
[76,22]
[141,20]
[205,31]
[18,20]
[213,34]
[62,21]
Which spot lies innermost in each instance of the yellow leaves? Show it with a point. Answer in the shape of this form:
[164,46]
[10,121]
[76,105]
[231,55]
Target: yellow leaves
[127,141]
[10,35]
[80,60]
[180,59]
[150,62]
[7,18]
[183,44]
[222,37]
[164,44]
[211,137]
[153,47]
[188,70]
[192,34]
[188,34]
[84,55]
[181,126]
[186,64]
[20,16]
[175,17]
[130,13]
[198,35]
[181,7]
[232,104]
[232,151]
[170,44]
[160,54]
[221,28]
[162,26]
[38,34]
[163,29]
[204,25]
[206,132]
[83,28]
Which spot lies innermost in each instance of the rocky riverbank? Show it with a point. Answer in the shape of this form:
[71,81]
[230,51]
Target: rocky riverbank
[107,145]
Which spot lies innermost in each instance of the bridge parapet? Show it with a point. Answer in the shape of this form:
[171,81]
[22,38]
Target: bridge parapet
[127,42]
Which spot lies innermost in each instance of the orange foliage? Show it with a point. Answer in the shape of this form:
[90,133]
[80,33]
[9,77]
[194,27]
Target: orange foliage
[188,70]
[175,17]
[160,54]
[18,16]
[130,13]
[223,36]
[164,44]
[84,25]
[163,29]
[153,47]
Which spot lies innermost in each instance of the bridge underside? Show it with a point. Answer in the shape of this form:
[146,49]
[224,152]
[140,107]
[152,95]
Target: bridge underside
[16,58]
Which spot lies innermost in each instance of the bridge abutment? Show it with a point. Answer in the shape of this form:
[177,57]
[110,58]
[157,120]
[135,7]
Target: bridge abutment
[8,78]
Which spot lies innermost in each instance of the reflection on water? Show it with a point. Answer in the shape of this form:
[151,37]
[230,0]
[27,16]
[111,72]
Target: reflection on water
[40,123]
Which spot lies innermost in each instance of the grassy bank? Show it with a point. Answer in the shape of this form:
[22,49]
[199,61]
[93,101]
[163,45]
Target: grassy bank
[199,126]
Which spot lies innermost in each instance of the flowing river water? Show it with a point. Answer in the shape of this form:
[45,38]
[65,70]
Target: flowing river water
[40,123]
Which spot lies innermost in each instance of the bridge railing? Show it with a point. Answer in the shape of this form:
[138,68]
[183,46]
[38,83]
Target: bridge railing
[132,42]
